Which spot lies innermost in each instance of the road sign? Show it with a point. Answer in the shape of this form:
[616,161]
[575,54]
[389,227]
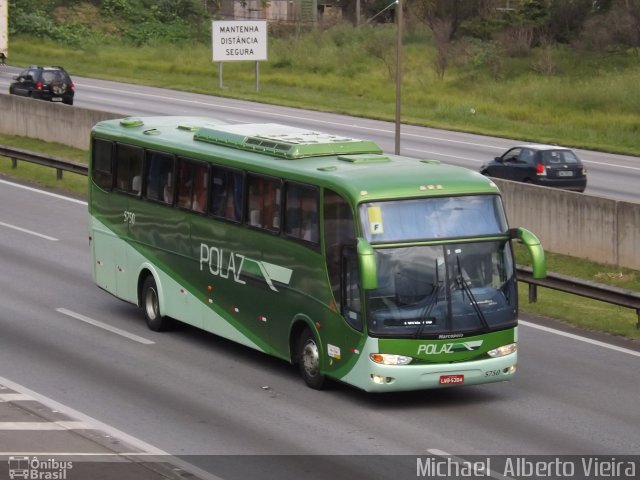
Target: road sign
[239,40]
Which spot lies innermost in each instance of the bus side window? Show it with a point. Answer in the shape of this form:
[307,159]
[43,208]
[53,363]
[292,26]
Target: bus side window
[129,169]
[339,234]
[351,305]
[159,175]
[192,185]
[301,215]
[199,203]
[102,166]
[226,194]
[264,202]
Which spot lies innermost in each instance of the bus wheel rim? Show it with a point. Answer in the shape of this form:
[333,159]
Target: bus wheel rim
[311,358]
[151,303]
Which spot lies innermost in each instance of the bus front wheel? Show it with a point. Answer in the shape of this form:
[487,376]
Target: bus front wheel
[309,360]
[151,306]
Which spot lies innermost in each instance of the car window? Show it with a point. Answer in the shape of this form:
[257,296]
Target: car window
[526,156]
[511,155]
[559,157]
[50,76]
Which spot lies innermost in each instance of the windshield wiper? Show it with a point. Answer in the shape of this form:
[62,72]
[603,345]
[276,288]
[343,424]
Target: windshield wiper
[474,303]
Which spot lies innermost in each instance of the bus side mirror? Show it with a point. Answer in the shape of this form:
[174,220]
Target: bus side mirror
[538,263]
[367,265]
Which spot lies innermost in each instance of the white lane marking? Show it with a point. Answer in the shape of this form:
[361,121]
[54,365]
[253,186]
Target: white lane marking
[108,429]
[43,192]
[444,155]
[44,426]
[582,339]
[14,397]
[462,462]
[30,232]
[104,326]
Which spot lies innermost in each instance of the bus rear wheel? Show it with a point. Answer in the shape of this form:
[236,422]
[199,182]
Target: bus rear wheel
[308,355]
[151,306]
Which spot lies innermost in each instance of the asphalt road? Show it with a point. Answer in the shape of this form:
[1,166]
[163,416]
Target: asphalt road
[195,395]
[613,176]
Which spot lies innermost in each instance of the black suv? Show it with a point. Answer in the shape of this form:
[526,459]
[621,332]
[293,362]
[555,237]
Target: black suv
[547,165]
[46,83]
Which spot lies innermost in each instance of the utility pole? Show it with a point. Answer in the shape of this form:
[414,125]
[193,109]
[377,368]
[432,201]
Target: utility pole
[4,30]
[398,71]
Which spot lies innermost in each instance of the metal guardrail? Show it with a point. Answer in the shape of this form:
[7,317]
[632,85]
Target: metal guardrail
[554,281]
[59,164]
[583,288]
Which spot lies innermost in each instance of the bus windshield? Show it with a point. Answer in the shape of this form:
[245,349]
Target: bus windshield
[439,291]
[433,218]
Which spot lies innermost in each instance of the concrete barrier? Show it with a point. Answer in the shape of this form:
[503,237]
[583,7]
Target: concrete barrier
[52,122]
[583,226]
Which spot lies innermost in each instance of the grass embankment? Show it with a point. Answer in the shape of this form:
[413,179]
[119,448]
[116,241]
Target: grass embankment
[577,311]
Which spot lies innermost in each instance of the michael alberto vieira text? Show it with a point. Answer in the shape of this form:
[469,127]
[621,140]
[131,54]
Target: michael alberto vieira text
[523,467]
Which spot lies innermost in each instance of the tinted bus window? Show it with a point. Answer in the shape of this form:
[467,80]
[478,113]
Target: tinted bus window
[129,169]
[339,230]
[160,176]
[264,203]
[192,185]
[301,217]
[227,193]
[103,163]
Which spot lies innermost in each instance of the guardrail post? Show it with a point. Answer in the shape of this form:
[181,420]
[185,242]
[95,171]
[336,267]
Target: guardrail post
[14,163]
[533,293]
[638,323]
[59,173]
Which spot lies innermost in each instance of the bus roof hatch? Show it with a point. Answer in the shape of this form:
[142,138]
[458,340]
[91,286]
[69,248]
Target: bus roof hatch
[283,141]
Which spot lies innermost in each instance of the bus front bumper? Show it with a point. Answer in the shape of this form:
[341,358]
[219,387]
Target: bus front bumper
[373,377]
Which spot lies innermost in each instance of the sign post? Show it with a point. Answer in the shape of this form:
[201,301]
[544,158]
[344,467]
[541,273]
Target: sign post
[234,41]
[4,31]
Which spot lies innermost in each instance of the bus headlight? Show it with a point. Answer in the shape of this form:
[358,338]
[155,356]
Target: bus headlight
[390,359]
[503,350]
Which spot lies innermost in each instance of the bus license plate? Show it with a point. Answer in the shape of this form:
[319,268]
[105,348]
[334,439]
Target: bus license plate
[451,379]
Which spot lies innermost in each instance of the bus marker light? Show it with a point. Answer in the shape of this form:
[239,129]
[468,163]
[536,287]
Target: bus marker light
[356,351]
[363,193]
[235,309]
[318,325]
[262,318]
[209,288]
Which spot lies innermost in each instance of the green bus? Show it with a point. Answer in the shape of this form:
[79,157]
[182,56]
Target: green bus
[380,271]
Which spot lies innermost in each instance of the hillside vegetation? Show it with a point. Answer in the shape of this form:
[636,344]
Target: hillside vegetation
[507,74]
